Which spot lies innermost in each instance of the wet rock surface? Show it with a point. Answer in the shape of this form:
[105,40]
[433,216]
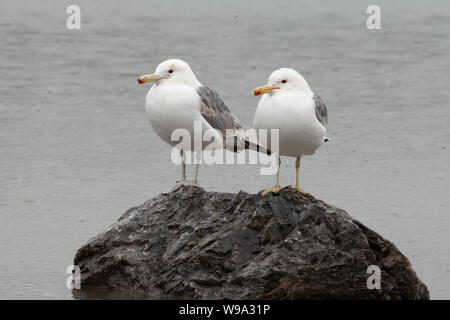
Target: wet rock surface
[210,245]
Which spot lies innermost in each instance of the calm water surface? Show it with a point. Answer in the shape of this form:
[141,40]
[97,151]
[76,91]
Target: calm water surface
[76,150]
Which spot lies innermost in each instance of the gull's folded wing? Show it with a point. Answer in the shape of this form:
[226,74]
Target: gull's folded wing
[321,109]
[216,112]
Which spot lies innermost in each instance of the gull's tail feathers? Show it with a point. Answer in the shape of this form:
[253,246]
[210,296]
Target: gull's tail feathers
[256,147]
[237,144]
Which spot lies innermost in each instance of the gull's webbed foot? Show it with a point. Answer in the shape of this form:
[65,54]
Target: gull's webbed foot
[273,189]
[181,183]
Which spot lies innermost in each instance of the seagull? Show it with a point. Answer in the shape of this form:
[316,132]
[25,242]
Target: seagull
[177,99]
[288,104]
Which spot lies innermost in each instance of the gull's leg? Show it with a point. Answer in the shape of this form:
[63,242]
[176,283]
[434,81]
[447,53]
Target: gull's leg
[297,175]
[277,186]
[277,183]
[196,173]
[197,164]
[183,181]
[183,166]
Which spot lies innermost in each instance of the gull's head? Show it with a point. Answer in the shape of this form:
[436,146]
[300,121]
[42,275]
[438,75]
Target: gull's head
[282,80]
[171,71]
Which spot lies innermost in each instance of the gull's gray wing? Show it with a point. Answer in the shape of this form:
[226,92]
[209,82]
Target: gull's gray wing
[216,112]
[321,109]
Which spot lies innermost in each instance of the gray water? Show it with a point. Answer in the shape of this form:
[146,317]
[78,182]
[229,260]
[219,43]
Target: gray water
[76,149]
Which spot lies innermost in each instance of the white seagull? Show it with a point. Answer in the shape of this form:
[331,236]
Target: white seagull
[288,104]
[177,99]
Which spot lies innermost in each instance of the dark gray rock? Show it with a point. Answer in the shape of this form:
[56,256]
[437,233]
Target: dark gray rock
[209,245]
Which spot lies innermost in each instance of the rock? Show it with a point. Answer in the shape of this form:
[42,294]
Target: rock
[208,245]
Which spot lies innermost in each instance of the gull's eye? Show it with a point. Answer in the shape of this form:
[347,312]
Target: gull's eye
[170,70]
[283,81]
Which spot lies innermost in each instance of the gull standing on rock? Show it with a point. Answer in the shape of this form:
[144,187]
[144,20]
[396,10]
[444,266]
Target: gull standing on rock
[288,104]
[177,99]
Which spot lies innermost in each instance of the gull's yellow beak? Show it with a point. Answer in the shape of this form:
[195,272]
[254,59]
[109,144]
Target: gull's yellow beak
[263,89]
[149,78]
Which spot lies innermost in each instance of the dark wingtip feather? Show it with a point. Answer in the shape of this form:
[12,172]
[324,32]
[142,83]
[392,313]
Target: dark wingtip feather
[256,147]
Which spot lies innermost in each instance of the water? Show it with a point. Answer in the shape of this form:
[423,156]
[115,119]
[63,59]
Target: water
[76,150]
